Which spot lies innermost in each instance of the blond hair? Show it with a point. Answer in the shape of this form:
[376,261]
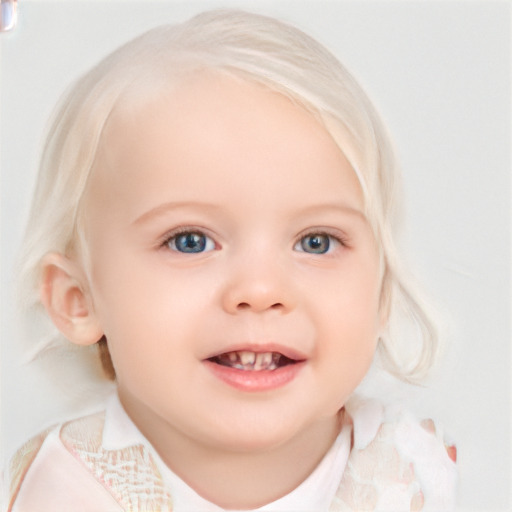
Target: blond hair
[252,47]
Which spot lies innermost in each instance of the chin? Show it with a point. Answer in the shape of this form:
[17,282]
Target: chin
[248,434]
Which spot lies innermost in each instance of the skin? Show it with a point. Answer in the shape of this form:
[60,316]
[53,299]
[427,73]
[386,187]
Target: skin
[256,174]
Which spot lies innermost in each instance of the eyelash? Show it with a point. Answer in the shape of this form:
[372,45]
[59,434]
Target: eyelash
[210,244]
[336,237]
[171,238]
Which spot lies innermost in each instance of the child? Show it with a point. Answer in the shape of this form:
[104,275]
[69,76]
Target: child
[216,211]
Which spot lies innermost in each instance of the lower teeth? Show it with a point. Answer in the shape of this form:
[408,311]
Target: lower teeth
[250,367]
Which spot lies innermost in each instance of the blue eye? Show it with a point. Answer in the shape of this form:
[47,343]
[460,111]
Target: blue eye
[316,243]
[191,242]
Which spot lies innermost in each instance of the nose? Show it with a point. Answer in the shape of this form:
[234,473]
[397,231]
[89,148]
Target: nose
[258,284]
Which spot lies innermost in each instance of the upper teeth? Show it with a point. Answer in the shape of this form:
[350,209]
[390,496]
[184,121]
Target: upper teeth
[248,357]
[245,360]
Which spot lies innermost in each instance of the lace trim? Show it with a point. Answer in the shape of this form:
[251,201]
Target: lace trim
[21,463]
[377,478]
[130,474]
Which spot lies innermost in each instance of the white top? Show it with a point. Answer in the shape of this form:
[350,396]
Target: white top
[384,460]
[315,493]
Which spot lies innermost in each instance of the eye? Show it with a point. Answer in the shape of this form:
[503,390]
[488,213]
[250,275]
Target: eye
[315,243]
[191,242]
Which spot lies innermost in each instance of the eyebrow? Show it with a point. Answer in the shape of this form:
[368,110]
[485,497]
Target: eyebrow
[167,207]
[334,207]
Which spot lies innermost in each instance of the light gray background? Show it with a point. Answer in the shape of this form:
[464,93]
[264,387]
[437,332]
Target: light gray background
[440,74]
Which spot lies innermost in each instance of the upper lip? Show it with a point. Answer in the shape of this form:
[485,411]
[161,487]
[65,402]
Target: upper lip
[259,348]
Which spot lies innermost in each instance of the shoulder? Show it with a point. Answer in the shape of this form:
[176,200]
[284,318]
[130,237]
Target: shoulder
[69,468]
[44,475]
[397,462]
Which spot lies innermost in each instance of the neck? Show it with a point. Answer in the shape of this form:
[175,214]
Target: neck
[232,479]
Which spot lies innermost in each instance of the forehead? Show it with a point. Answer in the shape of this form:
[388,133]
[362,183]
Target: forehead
[226,131]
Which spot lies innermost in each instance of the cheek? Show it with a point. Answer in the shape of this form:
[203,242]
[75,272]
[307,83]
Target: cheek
[148,307]
[352,336]
[352,300]
[351,319]
[352,341]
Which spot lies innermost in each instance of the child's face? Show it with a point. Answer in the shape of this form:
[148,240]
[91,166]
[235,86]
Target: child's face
[223,221]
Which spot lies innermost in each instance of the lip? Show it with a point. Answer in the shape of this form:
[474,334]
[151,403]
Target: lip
[255,381]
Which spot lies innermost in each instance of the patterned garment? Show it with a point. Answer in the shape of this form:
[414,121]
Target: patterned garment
[395,464]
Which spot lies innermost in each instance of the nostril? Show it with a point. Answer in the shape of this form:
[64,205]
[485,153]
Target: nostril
[245,305]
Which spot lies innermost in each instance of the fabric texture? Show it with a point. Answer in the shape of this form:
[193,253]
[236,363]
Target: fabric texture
[383,460]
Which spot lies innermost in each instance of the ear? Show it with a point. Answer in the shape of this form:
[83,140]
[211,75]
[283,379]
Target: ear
[64,294]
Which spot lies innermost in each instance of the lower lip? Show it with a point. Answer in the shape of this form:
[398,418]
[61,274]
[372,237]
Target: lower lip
[256,381]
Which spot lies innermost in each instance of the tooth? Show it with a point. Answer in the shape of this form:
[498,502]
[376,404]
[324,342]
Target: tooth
[266,359]
[247,358]
[264,362]
[233,357]
[259,363]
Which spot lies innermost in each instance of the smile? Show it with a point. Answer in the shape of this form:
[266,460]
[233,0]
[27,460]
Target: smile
[252,361]
[251,371]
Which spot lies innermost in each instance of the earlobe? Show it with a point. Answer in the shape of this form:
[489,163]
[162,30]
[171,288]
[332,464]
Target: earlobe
[64,294]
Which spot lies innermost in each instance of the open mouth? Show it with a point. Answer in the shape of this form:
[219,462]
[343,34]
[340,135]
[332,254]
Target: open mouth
[252,361]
